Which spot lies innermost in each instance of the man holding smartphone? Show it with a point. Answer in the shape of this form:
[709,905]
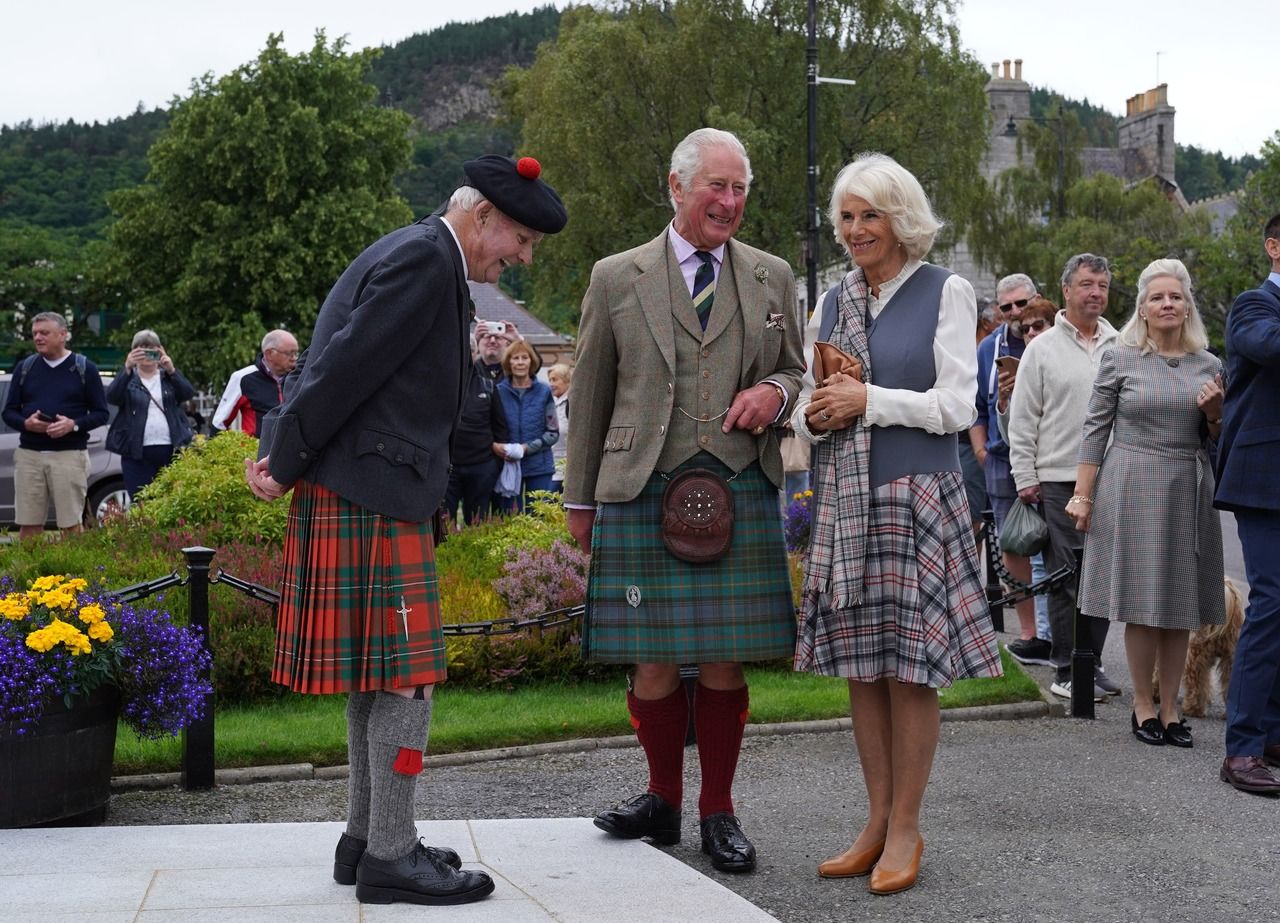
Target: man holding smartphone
[1000,352]
[55,399]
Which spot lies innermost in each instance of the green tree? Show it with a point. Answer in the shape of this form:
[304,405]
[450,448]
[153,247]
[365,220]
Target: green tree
[604,104]
[1236,261]
[265,184]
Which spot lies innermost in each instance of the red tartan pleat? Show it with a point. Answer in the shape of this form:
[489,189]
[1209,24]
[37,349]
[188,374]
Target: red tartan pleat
[359,602]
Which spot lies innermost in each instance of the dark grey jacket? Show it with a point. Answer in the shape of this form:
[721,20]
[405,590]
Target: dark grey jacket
[370,409]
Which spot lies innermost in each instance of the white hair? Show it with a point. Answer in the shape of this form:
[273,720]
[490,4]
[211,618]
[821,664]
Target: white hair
[893,191]
[465,198]
[1016,280]
[686,159]
[1134,332]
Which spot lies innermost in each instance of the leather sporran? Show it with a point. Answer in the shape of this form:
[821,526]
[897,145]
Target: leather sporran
[697,516]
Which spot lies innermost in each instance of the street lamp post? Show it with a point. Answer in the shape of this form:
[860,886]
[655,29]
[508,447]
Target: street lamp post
[811,235]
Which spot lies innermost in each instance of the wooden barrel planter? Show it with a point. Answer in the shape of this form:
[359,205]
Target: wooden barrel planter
[60,771]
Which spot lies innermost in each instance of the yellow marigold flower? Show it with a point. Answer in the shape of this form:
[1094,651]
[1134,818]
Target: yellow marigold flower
[59,632]
[92,613]
[47,582]
[15,606]
[59,598]
[101,631]
[76,584]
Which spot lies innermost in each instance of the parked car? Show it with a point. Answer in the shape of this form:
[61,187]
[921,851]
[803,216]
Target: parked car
[106,482]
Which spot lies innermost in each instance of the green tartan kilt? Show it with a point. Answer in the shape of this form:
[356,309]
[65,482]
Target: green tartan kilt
[360,603]
[646,606]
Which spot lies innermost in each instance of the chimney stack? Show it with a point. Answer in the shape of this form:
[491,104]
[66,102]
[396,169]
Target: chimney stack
[1017,68]
[1006,68]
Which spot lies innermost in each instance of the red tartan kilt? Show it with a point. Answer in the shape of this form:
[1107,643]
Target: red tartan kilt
[360,603]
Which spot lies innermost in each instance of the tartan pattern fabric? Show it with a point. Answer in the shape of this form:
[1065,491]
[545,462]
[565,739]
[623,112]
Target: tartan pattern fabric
[360,604]
[838,545]
[1153,555]
[736,609]
[923,617]
[704,287]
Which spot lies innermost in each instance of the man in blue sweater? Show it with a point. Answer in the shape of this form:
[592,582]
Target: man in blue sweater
[55,399]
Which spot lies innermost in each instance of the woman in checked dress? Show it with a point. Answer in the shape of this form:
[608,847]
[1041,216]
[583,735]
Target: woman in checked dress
[1153,558]
[893,597]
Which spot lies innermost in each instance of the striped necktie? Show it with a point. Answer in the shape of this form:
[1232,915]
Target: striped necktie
[704,287]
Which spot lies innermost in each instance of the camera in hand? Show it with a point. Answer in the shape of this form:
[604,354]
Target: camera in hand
[152,354]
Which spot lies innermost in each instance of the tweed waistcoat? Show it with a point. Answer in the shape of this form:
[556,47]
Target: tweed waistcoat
[708,375]
[900,341]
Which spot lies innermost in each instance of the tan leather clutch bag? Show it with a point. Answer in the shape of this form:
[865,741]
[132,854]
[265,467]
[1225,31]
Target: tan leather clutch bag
[828,359]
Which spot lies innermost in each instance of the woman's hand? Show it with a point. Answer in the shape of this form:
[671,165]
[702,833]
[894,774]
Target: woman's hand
[837,404]
[1209,400]
[1080,509]
[165,362]
[135,356]
[499,450]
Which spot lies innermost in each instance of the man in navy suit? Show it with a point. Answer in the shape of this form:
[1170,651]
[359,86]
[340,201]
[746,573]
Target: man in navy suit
[1248,458]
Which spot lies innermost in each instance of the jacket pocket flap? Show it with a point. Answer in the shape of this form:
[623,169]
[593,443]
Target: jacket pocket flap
[395,450]
[619,438]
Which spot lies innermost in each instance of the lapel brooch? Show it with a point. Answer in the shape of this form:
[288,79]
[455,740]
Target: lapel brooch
[762,274]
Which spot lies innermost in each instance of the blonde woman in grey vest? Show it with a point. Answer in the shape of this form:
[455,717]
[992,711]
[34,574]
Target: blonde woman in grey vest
[893,596]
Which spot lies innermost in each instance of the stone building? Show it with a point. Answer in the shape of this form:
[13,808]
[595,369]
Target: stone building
[1145,150]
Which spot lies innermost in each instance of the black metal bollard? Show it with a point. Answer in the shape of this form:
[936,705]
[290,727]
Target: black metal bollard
[995,592]
[1081,655]
[197,740]
[689,677]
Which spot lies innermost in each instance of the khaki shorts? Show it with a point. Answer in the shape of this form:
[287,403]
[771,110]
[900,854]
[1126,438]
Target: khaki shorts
[41,476]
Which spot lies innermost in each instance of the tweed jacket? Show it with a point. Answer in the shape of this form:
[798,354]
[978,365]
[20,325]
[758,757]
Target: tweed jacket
[644,365]
[369,411]
[1249,445]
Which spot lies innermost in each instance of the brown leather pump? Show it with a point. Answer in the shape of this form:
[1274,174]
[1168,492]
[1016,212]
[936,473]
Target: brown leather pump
[852,863]
[884,881]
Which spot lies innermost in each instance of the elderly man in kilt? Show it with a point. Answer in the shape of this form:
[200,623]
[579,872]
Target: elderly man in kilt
[689,350]
[363,440]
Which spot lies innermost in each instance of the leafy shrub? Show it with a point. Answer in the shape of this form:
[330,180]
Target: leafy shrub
[204,489]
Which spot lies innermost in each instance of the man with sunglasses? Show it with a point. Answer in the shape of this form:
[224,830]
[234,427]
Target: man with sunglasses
[254,390]
[1013,294]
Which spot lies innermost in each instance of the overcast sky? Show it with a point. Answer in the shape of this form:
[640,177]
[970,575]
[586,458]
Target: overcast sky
[62,59]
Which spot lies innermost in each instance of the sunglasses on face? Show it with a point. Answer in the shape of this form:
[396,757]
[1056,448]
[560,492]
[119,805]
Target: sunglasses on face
[1020,303]
[1035,326]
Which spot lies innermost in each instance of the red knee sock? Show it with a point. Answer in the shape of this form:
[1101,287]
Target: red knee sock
[661,725]
[719,717]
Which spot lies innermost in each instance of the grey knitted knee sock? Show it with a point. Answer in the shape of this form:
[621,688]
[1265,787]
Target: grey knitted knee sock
[359,705]
[398,729]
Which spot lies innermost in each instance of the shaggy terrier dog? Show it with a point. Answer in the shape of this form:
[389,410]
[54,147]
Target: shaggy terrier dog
[1211,645]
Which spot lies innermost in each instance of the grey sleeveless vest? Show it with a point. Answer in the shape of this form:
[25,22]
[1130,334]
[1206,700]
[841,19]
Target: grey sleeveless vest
[900,340]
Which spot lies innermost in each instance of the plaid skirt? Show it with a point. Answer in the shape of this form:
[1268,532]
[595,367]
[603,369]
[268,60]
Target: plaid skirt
[360,604]
[923,617]
[646,606]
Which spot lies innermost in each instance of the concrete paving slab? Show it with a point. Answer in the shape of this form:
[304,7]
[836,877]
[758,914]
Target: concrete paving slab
[555,870]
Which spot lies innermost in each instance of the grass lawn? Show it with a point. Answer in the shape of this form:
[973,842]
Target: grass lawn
[312,729]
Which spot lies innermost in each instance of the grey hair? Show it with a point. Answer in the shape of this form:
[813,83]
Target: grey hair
[1016,280]
[145,338]
[686,159]
[272,338]
[1087,260]
[1134,332]
[564,370]
[891,189]
[990,312]
[52,316]
[465,198]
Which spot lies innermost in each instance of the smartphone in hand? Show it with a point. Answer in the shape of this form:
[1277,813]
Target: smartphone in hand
[45,417]
[1007,363]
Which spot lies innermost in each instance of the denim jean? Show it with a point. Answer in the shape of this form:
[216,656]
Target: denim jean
[1038,573]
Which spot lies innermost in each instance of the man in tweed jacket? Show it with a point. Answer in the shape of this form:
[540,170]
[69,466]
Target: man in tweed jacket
[689,351]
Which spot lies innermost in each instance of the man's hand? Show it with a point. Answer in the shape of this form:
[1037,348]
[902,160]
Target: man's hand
[837,404]
[263,485]
[1030,495]
[753,409]
[33,423]
[500,450]
[59,427]
[581,522]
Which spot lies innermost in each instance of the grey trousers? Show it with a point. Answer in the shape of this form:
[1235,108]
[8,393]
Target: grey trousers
[1064,538]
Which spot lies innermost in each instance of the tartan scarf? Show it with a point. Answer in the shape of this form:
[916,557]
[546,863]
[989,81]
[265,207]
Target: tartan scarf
[841,493]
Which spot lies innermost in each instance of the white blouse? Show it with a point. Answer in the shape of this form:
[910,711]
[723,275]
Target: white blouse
[947,407]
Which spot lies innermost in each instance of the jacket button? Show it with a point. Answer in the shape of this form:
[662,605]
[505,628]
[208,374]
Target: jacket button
[399,459]
[706,354]
[705,440]
[302,454]
[662,430]
[671,388]
[706,395]
[706,373]
[379,447]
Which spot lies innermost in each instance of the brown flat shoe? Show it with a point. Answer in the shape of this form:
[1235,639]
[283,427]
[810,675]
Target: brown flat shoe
[1249,774]
[884,881]
[852,863]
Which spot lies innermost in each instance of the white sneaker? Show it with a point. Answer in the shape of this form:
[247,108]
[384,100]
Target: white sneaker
[1063,688]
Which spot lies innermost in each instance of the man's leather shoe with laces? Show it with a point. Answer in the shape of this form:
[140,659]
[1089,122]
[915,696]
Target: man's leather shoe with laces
[1271,754]
[347,856]
[726,844]
[418,877]
[646,815]
[1249,774]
